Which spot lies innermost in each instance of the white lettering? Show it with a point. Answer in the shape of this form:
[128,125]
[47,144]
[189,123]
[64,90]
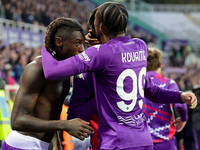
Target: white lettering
[133,56]
[129,55]
[136,56]
[124,58]
[129,43]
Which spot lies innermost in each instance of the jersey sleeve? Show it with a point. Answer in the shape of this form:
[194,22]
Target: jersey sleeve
[180,108]
[160,95]
[95,58]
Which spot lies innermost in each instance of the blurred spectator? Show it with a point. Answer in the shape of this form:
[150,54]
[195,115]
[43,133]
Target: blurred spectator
[173,56]
[8,11]
[2,11]
[191,59]
[10,79]
[19,67]
[181,83]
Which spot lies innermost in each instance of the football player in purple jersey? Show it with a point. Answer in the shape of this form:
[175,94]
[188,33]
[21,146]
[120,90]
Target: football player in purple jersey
[120,81]
[160,117]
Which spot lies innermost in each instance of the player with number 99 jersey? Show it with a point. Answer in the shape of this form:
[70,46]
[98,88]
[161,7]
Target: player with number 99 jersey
[120,84]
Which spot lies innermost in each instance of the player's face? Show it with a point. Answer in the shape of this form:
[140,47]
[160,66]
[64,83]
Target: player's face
[73,45]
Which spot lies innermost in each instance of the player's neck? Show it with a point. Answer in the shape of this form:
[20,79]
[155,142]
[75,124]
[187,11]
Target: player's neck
[159,70]
[120,34]
[108,38]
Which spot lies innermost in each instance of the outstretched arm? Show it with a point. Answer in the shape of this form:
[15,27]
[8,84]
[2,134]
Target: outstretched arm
[165,96]
[54,69]
[92,59]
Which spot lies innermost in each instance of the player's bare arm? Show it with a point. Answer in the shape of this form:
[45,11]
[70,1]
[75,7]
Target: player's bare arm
[24,117]
[32,115]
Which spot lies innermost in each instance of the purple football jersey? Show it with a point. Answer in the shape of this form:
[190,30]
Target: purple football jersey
[159,116]
[120,84]
[82,102]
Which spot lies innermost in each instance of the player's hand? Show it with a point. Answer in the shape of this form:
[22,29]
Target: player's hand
[91,41]
[179,124]
[190,99]
[78,128]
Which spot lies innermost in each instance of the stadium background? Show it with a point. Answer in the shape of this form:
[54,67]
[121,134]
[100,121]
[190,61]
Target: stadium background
[171,25]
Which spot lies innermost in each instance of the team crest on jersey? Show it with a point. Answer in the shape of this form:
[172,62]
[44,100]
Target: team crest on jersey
[97,47]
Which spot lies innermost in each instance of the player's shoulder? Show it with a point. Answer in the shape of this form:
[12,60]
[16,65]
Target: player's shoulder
[33,74]
[169,81]
[139,41]
[35,65]
[101,50]
[100,47]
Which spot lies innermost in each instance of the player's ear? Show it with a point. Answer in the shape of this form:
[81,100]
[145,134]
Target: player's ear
[58,41]
[103,29]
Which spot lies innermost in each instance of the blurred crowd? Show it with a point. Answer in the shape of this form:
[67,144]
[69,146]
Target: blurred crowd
[185,58]
[183,61]
[13,59]
[42,12]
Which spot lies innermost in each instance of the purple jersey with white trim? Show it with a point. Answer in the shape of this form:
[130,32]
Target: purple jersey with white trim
[159,116]
[120,73]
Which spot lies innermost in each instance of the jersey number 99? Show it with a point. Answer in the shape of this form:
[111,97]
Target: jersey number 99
[131,96]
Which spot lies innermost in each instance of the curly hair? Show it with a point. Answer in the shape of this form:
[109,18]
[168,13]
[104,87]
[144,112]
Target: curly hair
[154,59]
[62,27]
